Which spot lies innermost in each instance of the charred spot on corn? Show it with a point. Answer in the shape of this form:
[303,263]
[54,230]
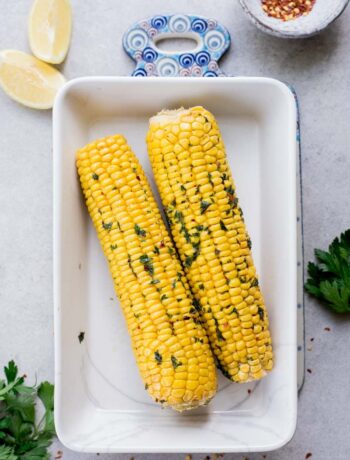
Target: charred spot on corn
[175,362]
[158,357]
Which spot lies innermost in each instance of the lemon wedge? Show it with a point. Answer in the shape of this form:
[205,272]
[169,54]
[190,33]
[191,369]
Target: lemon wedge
[28,80]
[50,24]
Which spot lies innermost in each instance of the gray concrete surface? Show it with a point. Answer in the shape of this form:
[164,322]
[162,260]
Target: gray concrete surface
[319,69]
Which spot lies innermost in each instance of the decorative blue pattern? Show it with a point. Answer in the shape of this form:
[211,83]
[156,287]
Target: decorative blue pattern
[140,43]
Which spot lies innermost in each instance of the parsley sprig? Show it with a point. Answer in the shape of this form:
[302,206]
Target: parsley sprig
[329,280]
[22,437]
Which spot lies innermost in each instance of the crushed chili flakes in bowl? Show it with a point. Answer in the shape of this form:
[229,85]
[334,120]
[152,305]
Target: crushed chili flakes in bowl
[287,10]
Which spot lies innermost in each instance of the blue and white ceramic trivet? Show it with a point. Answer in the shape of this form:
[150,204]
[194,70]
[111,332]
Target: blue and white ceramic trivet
[213,41]
[212,38]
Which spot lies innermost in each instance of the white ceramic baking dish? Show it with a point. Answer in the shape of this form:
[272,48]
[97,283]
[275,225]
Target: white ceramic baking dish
[100,402]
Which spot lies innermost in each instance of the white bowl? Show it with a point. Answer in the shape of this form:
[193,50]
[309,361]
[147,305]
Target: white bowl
[100,402]
[323,13]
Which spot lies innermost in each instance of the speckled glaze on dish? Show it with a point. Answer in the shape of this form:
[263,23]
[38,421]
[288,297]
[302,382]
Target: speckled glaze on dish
[140,42]
[322,15]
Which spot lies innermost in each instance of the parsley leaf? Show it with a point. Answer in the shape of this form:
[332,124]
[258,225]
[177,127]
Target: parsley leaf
[329,278]
[6,453]
[21,436]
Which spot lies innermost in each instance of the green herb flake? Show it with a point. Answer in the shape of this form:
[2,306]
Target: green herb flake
[201,286]
[107,226]
[210,177]
[130,266]
[204,206]
[219,335]
[254,283]
[197,339]
[164,297]
[173,284]
[175,362]
[139,231]
[156,250]
[261,313]
[113,247]
[81,337]
[183,188]
[223,226]
[154,281]
[158,357]
[147,264]
[146,386]
[95,176]
[171,250]
[197,304]
[249,243]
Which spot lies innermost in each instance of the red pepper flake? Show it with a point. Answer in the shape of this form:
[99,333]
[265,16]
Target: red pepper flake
[308,455]
[287,10]
[309,371]
[162,245]
[327,329]
[249,391]
[312,339]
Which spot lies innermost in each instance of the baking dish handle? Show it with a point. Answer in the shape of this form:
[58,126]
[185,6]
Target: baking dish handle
[140,43]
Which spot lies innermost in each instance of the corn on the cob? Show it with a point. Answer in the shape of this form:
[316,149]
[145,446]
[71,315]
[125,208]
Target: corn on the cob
[170,345]
[198,193]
